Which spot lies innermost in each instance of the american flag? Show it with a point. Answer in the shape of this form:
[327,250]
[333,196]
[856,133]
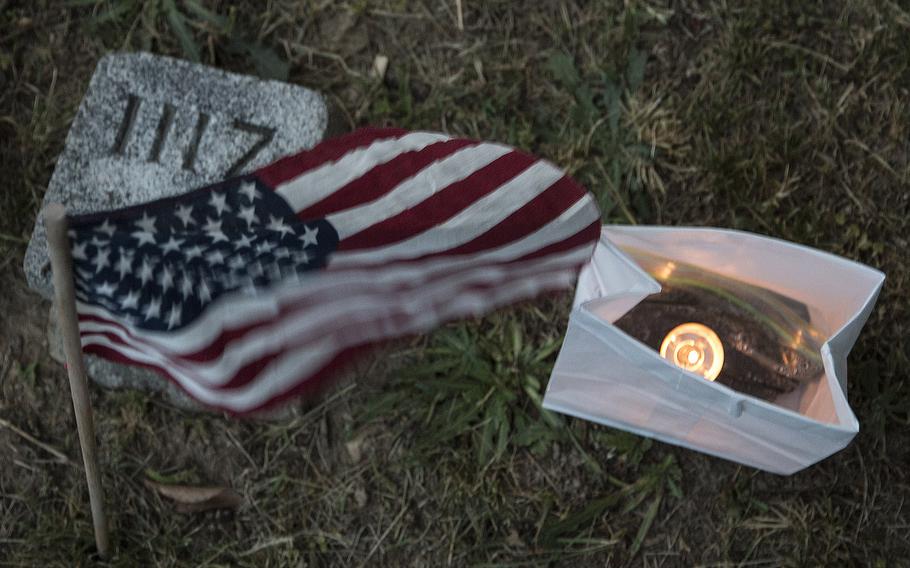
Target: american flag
[258,288]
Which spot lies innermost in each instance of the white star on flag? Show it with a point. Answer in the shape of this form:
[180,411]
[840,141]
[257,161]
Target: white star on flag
[186,285]
[153,309]
[264,247]
[248,214]
[107,289]
[145,271]
[107,228]
[146,224]
[124,263]
[166,279]
[309,236]
[205,293]
[144,237]
[172,245]
[219,202]
[243,242]
[101,259]
[214,257]
[194,251]
[249,190]
[213,230]
[173,317]
[185,214]
[278,225]
[130,300]
[79,251]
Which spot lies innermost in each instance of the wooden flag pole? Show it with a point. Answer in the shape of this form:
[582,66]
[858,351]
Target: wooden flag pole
[58,248]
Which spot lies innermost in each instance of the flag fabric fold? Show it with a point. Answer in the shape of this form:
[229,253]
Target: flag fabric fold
[258,288]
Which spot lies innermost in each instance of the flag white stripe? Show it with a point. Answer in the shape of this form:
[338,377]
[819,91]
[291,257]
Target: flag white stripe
[367,304]
[283,372]
[414,190]
[317,184]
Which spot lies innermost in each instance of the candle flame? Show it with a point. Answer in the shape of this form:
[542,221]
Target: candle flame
[696,348]
[665,271]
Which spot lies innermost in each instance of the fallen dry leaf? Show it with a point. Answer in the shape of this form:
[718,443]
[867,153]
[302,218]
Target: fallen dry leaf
[360,497]
[380,66]
[514,540]
[356,447]
[193,499]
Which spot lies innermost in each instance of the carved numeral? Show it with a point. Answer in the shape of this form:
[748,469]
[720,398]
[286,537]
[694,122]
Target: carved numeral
[266,134]
[189,159]
[126,125]
[164,126]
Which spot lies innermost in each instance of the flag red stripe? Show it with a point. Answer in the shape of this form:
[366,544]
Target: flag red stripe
[439,207]
[383,178]
[527,219]
[293,166]
[592,231]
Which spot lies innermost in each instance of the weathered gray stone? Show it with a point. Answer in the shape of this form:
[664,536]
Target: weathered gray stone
[152,126]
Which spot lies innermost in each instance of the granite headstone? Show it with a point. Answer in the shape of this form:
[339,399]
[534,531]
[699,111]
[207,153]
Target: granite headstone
[151,126]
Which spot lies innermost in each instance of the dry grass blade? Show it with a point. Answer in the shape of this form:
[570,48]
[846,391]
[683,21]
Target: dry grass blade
[61,457]
[459,10]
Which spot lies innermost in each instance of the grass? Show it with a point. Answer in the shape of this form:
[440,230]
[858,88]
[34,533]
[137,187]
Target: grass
[788,119]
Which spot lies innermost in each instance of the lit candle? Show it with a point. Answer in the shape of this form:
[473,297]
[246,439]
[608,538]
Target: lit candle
[695,348]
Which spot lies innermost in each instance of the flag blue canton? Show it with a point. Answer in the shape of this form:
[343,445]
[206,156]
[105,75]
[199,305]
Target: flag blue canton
[158,266]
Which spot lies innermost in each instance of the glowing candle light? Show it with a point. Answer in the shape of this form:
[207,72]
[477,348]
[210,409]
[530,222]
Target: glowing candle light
[696,348]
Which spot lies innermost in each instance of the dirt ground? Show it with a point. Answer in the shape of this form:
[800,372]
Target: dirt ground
[784,118]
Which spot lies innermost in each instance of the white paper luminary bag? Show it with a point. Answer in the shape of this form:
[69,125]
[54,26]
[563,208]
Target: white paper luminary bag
[800,414]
